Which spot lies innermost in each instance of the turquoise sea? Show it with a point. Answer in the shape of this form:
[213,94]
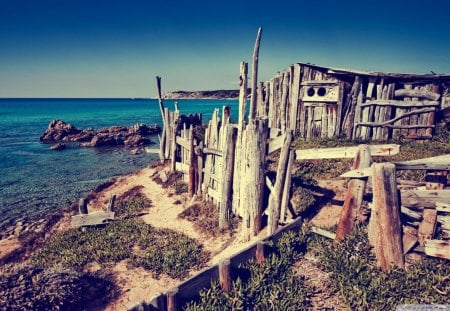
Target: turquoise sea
[34,179]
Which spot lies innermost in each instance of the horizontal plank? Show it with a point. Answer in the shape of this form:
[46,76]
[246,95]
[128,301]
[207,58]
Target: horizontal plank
[276,143]
[399,103]
[410,213]
[324,233]
[182,167]
[213,151]
[182,142]
[358,173]
[345,152]
[417,93]
[152,150]
[424,198]
[437,248]
[441,162]
[92,219]
[389,123]
[443,207]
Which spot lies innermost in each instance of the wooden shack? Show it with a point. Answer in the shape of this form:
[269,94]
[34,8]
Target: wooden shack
[316,101]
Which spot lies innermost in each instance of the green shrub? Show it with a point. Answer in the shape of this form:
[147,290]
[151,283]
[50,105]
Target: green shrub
[57,288]
[363,286]
[271,285]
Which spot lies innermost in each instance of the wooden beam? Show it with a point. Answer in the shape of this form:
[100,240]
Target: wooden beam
[242,94]
[428,225]
[345,152]
[424,198]
[324,233]
[400,103]
[182,142]
[224,275]
[351,213]
[441,162]
[385,229]
[389,122]
[213,151]
[437,248]
[417,93]
[162,141]
[443,207]
[286,197]
[251,113]
[92,219]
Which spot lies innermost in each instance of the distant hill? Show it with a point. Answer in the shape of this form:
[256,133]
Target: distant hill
[216,94]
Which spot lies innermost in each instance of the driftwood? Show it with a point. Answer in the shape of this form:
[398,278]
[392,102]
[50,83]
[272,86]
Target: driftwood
[92,219]
[417,93]
[437,248]
[275,197]
[162,141]
[351,213]
[428,225]
[252,111]
[424,198]
[230,133]
[286,197]
[389,122]
[345,152]
[385,230]
[398,103]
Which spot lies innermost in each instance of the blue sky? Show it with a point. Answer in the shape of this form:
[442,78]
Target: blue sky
[78,48]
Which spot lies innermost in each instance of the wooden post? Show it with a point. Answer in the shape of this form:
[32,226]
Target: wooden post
[162,141]
[226,186]
[192,162]
[224,275]
[385,229]
[286,198]
[171,299]
[173,147]
[252,173]
[260,252]
[199,152]
[251,114]
[82,206]
[295,90]
[167,122]
[276,195]
[351,213]
[241,123]
[112,200]
[260,103]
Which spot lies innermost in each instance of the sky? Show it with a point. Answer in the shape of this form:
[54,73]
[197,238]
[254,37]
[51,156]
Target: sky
[115,48]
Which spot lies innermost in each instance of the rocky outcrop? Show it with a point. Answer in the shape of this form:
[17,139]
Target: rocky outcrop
[132,136]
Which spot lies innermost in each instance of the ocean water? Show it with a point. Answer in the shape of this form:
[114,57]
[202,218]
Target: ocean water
[34,179]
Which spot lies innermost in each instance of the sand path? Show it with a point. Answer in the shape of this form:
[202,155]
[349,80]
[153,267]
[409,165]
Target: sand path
[137,284]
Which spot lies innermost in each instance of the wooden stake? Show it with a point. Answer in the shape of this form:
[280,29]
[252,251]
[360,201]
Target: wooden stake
[162,141]
[385,229]
[252,111]
[112,200]
[260,252]
[242,94]
[192,163]
[82,206]
[224,275]
[171,299]
[276,195]
[351,213]
[286,198]
[230,133]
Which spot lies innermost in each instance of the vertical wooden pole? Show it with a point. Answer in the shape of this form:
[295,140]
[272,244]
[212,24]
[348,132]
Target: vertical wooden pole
[260,252]
[251,114]
[285,199]
[260,107]
[252,172]
[162,141]
[173,148]
[192,162]
[167,133]
[385,228]
[230,133]
[351,213]
[284,101]
[276,195]
[82,206]
[200,167]
[224,275]
[241,122]
[111,202]
[295,90]
[171,299]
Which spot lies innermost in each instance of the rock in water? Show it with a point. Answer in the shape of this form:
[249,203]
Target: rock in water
[58,146]
[133,136]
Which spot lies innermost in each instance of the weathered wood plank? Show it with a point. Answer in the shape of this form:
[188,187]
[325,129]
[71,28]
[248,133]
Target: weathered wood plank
[399,103]
[417,93]
[441,162]
[385,229]
[324,233]
[286,198]
[437,248]
[424,198]
[182,142]
[213,151]
[276,144]
[427,226]
[351,214]
[182,167]
[92,219]
[226,184]
[345,152]
[388,123]
[252,110]
[443,207]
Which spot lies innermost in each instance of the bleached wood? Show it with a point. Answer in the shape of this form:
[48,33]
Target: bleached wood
[182,142]
[226,183]
[411,213]
[437,248]
[213,151]
[441,162]
[443,207]
[252,110]
[324,233]
[182,167]
[389,122]
[92,219]
[162,141]
[276,196]
[276,144]
[243,80]
[345,152]
[401,104]
[294,92]
[417,93]
[284,101]
[286,197]
[424,198]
